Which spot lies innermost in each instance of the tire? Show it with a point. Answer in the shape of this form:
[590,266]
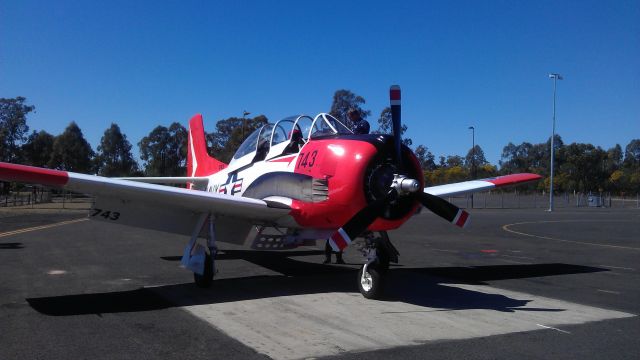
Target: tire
[206,279]
[372,285]
[383,262]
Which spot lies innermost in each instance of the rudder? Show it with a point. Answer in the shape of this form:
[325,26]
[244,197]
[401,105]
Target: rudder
[199,162]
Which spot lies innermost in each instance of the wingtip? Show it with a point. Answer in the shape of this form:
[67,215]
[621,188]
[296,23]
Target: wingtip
[34,175]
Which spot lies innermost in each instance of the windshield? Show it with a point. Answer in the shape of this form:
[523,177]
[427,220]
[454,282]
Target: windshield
[248,145]
[325,124]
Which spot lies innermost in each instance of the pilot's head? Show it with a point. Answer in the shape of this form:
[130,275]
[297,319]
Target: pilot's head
[353,114]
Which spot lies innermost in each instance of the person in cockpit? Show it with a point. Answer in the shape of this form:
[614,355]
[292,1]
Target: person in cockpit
[360,125]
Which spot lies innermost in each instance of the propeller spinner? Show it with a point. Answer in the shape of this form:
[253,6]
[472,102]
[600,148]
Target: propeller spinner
[401,185]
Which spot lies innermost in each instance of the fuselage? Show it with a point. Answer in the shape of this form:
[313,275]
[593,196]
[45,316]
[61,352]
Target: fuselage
[324,183]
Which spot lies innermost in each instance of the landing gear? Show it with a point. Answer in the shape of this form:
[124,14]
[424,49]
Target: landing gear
[206,279]
[199,260]
[379,253]
[370,281]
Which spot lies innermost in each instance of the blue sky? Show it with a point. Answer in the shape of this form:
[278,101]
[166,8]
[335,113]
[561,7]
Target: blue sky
[459,63]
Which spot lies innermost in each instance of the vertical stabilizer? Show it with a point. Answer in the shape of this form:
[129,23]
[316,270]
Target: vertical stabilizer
[199,162]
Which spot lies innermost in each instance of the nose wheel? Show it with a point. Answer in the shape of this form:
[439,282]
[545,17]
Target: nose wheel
[370,281]
[379,253]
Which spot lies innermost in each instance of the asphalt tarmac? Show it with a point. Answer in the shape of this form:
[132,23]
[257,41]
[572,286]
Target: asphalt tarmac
[520,283]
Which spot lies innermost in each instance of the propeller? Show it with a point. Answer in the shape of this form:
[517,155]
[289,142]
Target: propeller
[445,209]
[394,99]
[401,186]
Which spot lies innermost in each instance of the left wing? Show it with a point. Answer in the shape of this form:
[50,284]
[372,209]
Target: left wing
[468,187]
[183,180]
[147,205]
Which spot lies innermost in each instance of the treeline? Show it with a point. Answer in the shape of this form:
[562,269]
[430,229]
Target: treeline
[578,167]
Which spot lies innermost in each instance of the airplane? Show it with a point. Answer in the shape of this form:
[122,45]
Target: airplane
[290,184]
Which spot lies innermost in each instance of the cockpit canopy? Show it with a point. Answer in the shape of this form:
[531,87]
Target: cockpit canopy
[287,136]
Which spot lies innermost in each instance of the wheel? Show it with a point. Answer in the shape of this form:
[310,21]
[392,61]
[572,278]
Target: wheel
[383,262]
[206,279]
[370,283]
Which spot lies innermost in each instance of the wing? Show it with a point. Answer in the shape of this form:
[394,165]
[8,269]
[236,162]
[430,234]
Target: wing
[473,186]
[201,180]
[146,205]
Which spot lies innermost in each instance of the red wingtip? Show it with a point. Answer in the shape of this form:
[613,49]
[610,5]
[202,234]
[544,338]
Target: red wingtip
[514,179]
[31,174]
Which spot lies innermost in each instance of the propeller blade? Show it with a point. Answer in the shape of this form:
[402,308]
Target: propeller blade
[394,99]
[445,209]
[358,223]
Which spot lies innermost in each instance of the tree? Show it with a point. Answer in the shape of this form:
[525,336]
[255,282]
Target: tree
[229,135]
[13,126]
[343,100]
[114,154]
[38,149]
[425,158]
[632,154]
[528,157]
[71,151]
[446,175]
[583,166]
[454,160]
[614,158]
[475,157]
[385,126]
[486,170]
[178,148]
[164,151]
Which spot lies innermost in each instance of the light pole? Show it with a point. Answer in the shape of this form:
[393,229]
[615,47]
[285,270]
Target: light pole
[473,157]
[244,119]
[555,78]
[473,152]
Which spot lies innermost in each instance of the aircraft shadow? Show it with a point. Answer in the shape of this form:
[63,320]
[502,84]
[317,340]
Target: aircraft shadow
[11,246]
[426,287]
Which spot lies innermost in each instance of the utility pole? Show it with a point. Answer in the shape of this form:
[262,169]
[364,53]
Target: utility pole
[555,78]
[244,120]
[473,157]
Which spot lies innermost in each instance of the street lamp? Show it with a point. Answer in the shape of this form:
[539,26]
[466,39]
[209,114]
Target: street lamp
[244,118]
[473,151]
[555,78]
[473,157]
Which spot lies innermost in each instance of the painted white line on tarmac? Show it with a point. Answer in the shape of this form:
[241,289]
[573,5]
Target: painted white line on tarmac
[25,230]
[446,250]
[514,261]
[323,324]
[552,328]
[617,267]
[609,291]
[508,226]
[56,272]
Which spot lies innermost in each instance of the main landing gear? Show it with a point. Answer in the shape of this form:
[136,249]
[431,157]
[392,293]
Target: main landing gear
[379,253]
[199,259]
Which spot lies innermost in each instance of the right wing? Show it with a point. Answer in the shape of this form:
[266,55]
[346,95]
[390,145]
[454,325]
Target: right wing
[472,186]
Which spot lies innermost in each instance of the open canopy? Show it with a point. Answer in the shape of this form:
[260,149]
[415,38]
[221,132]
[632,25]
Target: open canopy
[292,130]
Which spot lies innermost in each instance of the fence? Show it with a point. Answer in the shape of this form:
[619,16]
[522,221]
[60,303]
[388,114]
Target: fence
[483,200]
[42,196]
[515,199]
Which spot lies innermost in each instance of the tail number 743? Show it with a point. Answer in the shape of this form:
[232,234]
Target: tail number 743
[107,214]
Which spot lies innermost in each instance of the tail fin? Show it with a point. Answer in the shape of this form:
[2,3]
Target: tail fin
[199,163]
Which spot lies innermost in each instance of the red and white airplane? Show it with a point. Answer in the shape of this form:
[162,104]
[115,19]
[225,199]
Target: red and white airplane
[297,181]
